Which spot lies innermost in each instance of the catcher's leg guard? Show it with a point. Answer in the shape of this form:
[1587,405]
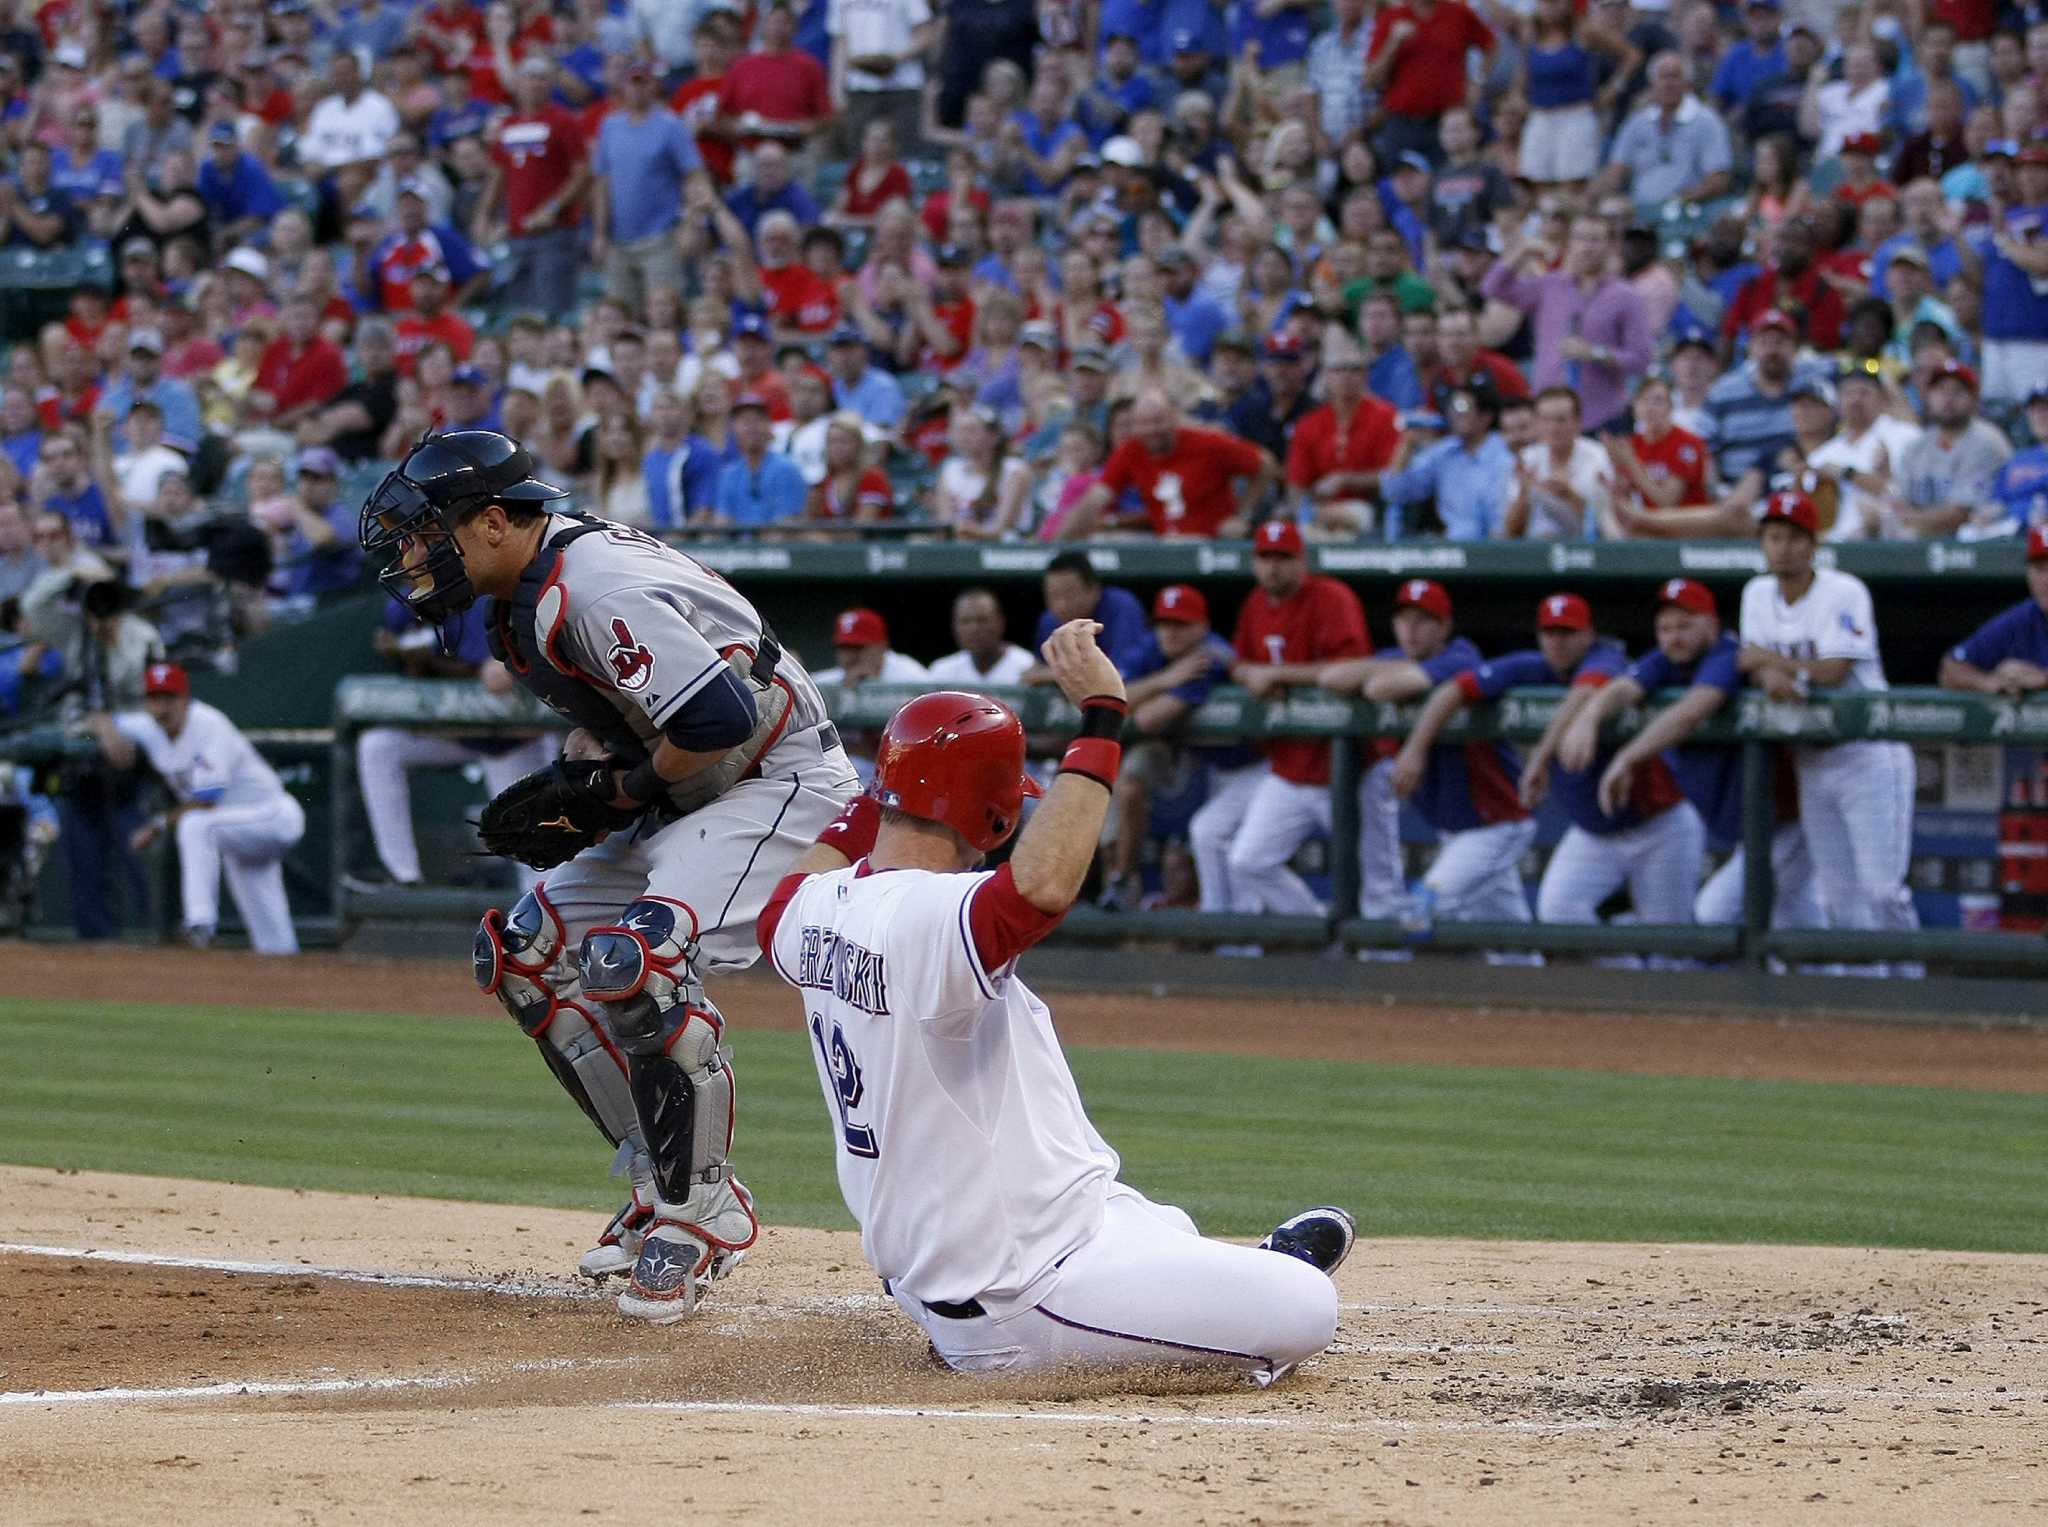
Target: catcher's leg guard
[524,961]
[640,972]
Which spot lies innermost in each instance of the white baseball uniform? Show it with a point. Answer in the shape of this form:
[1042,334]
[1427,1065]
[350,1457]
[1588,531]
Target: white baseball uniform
[987,1202]
[385,759]
[956,670]
[243,823]
[1855,798]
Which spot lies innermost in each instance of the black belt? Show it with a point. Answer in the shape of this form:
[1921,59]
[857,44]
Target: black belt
[966,1309]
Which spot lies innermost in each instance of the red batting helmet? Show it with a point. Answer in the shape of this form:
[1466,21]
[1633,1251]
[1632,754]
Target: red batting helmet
[957,759]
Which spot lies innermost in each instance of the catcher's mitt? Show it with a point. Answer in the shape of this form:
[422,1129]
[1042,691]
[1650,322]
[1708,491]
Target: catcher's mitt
[551,815]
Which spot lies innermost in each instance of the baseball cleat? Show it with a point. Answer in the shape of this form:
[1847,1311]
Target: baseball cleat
[619,1247]
[1321,1237]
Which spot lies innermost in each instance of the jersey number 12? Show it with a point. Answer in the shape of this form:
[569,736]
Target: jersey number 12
[846,1088]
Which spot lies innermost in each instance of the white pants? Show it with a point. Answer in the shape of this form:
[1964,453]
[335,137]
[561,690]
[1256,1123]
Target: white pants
[1280,816]
[1214,826]
[1381,882]
[387,755]
[248,843]
[1560,143]
[1476,876]
[1856,809]
[1659,859]
[1146,1290]
[1793,904]
[721,861]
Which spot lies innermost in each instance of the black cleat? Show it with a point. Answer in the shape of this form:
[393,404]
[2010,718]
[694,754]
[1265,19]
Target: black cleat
[1321,1237]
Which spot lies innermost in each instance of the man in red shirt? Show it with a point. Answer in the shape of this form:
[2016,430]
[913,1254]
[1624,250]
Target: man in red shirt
[1663,466]
[778,90]
[1184,473]
[1417,63]
[430,320]
[944,317]
[299,372]
[1294,622]
[1462,360]
[1338,451]
[696,99]
[544,167]
[797,300]
[1793,284]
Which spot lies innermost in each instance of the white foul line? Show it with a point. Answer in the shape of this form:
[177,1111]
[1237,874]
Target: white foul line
[237,1389]
[1084,1417]
[534,1290]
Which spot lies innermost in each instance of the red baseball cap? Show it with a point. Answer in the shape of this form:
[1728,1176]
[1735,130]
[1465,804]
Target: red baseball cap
[1421,594]
[165,679]
[1863,143]
[1774,318]
[859,628]
[1956,370]
[2037,543]
[1277,538]
[2033,153]
[1791,506]
[1687,594]
[1182,602]
[1564,612]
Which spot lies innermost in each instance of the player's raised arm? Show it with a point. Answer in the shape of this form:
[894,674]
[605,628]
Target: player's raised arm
[1058,843]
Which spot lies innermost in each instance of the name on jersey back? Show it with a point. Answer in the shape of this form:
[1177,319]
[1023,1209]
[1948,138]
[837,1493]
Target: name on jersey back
[853,974]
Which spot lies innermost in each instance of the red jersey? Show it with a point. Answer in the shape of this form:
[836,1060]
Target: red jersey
[539,153]
[1428,78]
[1365,443]
[797,297]
[1318,623]
[414,332]
[872,492]
[780,87]
[958,317]
[1680,456]
[312,375]
[937,211]
[895,182]
[1188,492]
[1870,190]
[1806,297]
[452,32]
[696,104]
[1974,20]
[56,410]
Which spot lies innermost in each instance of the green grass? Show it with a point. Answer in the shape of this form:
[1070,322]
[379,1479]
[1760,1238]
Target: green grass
[460,1109]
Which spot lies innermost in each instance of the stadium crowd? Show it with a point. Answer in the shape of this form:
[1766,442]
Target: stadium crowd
[1032,270]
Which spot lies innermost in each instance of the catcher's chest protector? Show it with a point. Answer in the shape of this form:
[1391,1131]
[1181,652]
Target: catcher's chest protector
[516,643]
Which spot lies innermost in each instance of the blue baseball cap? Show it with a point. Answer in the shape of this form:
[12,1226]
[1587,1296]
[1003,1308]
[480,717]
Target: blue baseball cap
[223,132]
[750,323]
[847,334]
[469,376]
[1409,159]
[1185,41]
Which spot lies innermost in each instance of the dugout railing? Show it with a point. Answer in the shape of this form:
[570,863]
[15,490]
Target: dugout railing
[1753,723]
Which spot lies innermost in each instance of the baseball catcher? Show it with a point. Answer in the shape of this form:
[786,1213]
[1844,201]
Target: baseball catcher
[699,767]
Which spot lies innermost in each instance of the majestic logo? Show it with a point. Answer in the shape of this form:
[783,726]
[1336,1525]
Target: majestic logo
[632,664]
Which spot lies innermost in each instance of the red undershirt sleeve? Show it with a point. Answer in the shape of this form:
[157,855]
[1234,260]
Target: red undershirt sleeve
[1468,683]
[1002,922]
[771,914]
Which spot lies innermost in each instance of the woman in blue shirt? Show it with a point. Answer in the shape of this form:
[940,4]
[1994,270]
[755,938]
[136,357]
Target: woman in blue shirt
[1560,79]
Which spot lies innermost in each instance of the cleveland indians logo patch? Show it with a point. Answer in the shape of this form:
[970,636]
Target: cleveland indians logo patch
[632,664]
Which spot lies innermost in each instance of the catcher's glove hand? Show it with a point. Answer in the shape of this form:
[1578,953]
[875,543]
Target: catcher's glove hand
[551,815]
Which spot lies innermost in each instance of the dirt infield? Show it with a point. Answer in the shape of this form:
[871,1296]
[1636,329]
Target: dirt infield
[1895,1054]
[196,1351]
[1534,1383]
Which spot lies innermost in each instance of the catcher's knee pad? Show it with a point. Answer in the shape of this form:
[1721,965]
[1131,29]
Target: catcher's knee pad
[525,962]
[640,971]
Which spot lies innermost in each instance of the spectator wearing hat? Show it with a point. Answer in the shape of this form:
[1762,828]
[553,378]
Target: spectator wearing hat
[2022,483]
[36,214]
[1857,103]
[416,244]
[1859,462]
[301,371]
[129,481]
[143,377]
[1278,400]
[1861,182]
[753,348]
[1592,333]
[942,319]
[1185,476]
[351,128]
[2009,261]
[543,168]
[643,158]
[1926,233]
[1119,90]
[872,393]
[1338,451]
[860,642]
[1470,473]
[431,320]
[759,488]
[2008,654]
[1418,64]
[240,196]
[1194,318]
[1749,410]
[1945,481]
[1673,149]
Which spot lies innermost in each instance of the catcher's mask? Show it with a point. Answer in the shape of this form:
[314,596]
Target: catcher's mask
[408,522]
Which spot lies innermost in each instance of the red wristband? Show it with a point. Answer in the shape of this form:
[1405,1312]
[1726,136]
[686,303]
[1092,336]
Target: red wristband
[853,831]
[1095,757]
